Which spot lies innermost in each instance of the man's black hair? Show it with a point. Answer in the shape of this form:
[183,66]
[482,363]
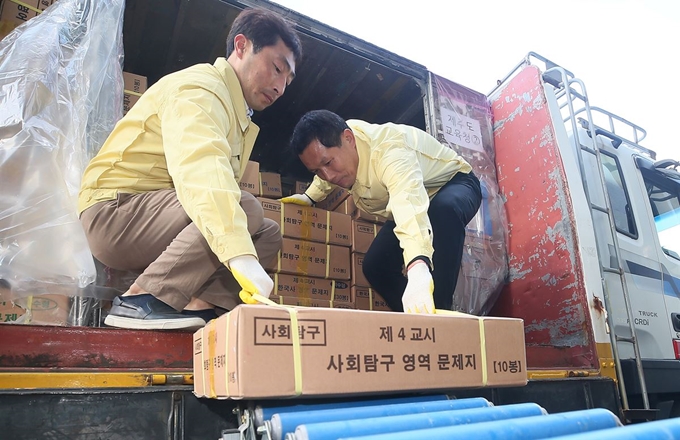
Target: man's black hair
[322,125]
[264,28]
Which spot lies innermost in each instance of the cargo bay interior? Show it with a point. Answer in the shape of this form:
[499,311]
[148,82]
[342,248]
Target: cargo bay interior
[352,78]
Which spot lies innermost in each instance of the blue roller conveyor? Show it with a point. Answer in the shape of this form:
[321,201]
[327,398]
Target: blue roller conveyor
[262,413]
[668,429]
[383,425]
[527,428]
[284,423]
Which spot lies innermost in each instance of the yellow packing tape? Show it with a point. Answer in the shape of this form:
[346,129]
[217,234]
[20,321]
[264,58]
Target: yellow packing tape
[328,226]
[328,260]
[295,335]
[211,356]
[482,338]
[130,92]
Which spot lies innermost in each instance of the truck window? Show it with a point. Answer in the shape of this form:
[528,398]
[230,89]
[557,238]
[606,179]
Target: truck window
[618,197]
[665,206]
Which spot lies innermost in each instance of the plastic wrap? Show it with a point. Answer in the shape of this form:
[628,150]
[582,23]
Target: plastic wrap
[464,123]
[61,93]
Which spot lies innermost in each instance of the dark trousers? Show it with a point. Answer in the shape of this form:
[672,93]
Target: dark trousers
[450,211]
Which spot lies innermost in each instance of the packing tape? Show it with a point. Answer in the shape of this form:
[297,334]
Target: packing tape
[205,346]
[295,335]
[482,338]
[307,218]
[278,260]
[211,357]
[328,260]
[328,226]
[130,92]
[370,299]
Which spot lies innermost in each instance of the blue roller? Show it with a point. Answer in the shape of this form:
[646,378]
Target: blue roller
[284,423]
[668,429]
[265,413]
[383,425]
[527,428]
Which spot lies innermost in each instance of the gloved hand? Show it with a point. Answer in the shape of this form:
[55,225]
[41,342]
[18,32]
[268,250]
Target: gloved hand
[251,276]
[418,294]
[298,199]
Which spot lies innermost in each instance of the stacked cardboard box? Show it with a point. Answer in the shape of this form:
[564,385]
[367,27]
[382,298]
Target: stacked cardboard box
[250,180]
[50,309]
[365,228]
[15,13]
[133,87]
[336,351]
[313,266]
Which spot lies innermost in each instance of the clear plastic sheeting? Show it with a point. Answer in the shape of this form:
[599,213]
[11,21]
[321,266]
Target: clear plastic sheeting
[61,93]
[464,123]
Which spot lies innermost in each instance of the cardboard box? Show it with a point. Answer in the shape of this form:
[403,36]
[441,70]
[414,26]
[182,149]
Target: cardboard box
[133,87]
[348,207]
[333,200]
[309,223]
[300,257]
[301,187]
[366,298]
[299,286]
[45,309]
[311,302]
[250,180]
[363,234]
[358,277]
[14,14]
[270,185]
[250,352]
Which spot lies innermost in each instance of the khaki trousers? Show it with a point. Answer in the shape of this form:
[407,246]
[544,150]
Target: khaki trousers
[151,233]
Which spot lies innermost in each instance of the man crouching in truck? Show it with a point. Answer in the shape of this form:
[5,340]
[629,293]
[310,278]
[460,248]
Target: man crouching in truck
[426,190]
[162,195]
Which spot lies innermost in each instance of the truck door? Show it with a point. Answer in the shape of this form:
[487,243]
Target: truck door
[662,186]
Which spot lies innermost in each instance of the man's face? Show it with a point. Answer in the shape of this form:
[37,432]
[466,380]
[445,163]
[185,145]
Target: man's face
[337,165]
[265,75]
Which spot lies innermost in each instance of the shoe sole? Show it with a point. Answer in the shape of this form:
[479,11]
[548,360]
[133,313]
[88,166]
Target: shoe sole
[188,323]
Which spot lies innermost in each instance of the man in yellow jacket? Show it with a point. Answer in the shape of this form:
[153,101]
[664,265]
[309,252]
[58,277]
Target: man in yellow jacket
[427,192]
[162,195]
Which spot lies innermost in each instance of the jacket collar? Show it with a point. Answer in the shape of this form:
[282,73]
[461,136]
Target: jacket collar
[236,92]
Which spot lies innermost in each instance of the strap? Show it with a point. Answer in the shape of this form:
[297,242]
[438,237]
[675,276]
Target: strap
[211,355]
[482,338]
[295,335]
[328,226]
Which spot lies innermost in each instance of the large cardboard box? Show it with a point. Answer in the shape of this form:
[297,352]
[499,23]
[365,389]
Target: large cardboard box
[299,286]
[270,185]
[250,181]
[299,257]
[133,87]
[363,234]
[15,13]
[366,298]
[309,223]
[315,351]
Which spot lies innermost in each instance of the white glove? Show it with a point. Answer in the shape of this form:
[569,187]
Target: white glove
[298,199]
[251,276]
[418,294]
